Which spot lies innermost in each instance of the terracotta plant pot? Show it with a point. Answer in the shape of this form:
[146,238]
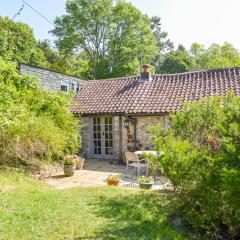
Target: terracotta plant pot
[69,170]
[145,185]
[79,163]
[113,182]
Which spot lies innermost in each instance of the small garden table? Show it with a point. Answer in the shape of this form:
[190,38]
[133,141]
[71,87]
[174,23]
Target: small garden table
[155,153]
[149,152]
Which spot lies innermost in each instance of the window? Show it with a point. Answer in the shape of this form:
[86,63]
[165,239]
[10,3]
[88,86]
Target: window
[64,88]
[77,87]
[73,86]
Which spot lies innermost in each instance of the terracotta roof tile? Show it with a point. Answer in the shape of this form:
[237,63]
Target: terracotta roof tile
[162,94]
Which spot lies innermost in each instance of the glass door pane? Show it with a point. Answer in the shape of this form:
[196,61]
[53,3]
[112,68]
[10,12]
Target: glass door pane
[108,141]
[97,141]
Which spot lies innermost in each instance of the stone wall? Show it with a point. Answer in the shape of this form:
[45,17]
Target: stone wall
[51,80]
[116,137]
[127,143]
[85,133]
[143,124]
[142,135]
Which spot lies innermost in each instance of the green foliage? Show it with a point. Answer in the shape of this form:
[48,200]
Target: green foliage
[177,61]
[34,124]
[200,58]
[144,179]
[114,177]
[215,56]
[17,43]
[111,34]
[164,45]
[201,158]
[69,162]
[73,64]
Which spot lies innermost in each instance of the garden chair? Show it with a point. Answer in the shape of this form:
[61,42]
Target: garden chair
[133,160]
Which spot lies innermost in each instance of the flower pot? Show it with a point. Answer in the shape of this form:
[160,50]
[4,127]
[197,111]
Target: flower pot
[69,170]
[113,182]
[79,163]
[145,185]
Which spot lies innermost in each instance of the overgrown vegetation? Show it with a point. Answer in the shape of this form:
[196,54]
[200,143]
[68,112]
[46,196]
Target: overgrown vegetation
[202,159]
[35,125]
[17,43]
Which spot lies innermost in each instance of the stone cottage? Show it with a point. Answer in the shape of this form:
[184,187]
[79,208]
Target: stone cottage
[117,113]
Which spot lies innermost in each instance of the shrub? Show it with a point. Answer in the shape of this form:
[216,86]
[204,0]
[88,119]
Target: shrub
[202,159]
[143,179]
[35,125]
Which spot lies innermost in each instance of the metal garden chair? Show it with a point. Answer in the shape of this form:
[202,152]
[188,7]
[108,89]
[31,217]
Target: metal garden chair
[133,160]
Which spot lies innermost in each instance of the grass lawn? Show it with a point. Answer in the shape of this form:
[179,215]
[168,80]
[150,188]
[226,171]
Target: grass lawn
[31,210]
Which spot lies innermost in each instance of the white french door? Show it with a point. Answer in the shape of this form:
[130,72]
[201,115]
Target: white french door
[102,137]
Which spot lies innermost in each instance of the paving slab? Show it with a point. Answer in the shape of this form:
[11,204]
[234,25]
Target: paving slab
[95,173]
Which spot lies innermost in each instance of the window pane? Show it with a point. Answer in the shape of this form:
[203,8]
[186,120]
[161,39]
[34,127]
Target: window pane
[64,88]
[99,150]
[106,136]
[99,128]
[110,120]
[106,128]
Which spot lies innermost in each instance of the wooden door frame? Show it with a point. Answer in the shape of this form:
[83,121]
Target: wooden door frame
[103,156]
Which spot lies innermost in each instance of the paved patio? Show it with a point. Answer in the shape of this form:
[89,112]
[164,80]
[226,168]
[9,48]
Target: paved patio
[95,173]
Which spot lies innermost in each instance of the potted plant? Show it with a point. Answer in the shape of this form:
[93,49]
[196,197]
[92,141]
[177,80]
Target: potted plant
[145,182]
[69,167]
[113,180]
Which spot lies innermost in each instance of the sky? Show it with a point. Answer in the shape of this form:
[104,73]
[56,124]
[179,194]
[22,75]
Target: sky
[186,21]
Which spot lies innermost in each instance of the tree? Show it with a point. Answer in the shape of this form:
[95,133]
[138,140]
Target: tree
[164,44]
[111,34]
[200,58]
[74,64]
[177,61]
[215,56]
[52,56]
[17,42]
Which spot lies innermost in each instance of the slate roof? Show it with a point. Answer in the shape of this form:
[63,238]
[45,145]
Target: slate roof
[163,94]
